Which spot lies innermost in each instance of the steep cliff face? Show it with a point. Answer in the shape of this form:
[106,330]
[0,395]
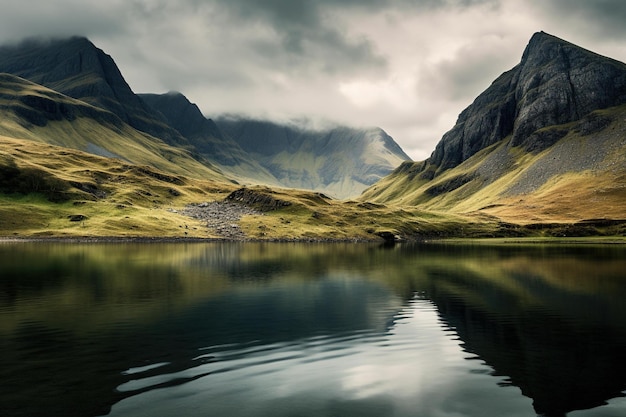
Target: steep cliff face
[555,83]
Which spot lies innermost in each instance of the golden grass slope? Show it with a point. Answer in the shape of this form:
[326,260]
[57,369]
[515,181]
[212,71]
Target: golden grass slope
[112,197]
[87,128]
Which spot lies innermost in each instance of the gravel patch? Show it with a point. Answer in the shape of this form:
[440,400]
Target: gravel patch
[574,155]
[221,216]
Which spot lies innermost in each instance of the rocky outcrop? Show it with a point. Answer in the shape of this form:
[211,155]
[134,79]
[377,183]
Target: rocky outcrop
[555,83]
[221,217]
[262,200]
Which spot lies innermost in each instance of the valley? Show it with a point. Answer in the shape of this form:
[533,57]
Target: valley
[540,154]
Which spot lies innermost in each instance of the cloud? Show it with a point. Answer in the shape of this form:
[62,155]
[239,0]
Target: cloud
[40,18]
[598,18]
[472,68]
[408,66]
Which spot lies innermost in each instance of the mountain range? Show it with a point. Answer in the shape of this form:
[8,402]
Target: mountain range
[76,68]
[542,151]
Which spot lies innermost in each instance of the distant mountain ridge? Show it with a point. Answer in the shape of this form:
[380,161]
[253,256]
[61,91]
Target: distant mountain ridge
[206,138]
[76,68]
[341,160]
[545,136]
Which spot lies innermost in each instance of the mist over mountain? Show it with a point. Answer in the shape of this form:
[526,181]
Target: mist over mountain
[76,68]
[533,142]
[207,139]
[341,160]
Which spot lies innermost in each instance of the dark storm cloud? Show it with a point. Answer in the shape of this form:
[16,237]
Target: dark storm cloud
[307,34]
[41,18]
[469,71]
[309,29]
[409,66]
[599,18]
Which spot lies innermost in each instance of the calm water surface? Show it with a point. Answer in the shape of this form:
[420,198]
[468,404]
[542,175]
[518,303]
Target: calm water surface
[311,330]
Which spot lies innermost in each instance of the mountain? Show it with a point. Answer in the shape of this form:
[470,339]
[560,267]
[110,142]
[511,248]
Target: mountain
[77,68]
[341,161]
[543,138]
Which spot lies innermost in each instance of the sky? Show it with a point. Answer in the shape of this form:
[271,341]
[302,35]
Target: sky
[407,66]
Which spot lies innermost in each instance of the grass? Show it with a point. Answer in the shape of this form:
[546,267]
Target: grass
[582,177]
[88,127]
[112,197]
[105,197]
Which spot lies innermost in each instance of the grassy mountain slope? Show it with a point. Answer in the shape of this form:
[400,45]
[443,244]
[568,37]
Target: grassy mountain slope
[583,176]
[55,191]
[31,111]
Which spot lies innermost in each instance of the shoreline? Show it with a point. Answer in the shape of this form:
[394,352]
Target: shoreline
[587,240]
[146,239]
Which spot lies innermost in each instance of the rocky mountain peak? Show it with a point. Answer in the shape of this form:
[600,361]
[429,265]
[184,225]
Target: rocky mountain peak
[556,82]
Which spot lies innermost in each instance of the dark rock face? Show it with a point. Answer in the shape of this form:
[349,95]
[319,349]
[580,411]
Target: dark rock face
[555,83]
[182,114]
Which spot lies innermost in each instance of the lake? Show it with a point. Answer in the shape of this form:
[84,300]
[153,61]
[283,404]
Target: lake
[253,329]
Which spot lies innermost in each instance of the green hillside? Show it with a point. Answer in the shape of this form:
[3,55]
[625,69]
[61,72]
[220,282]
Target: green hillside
[31,111]
[51,191]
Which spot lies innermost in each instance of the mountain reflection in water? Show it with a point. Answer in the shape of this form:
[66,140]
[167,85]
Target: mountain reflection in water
[295,329]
